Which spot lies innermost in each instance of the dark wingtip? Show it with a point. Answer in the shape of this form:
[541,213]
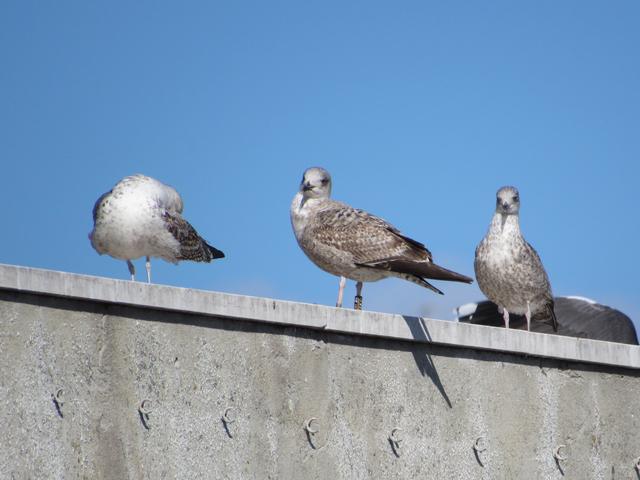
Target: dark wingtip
[426,284]
[215,253]
[434,271]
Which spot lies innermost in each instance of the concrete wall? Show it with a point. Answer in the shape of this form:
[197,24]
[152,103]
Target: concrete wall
[111,344]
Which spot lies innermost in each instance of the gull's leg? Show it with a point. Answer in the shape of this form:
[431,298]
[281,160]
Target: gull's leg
[148,265]
[505,315]
[343,282]
[132,270]
[528,316]
[357,302]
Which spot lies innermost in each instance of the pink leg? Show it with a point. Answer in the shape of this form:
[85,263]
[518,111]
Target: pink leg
[357,303]
[505,315]
[148,265]
[132,270]
[343,282]
[528,316]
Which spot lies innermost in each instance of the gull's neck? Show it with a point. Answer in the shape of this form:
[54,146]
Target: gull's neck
[302,209]
[504,225]
[303,206]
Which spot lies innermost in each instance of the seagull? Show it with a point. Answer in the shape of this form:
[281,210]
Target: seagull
[142,216]
[351,243]
[577,317]
[508,269]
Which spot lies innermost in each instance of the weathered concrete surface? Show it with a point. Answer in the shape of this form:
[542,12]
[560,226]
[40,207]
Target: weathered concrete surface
[108,357]
[315,316]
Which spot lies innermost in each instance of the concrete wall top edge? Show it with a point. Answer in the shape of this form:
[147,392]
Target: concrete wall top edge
[338,320]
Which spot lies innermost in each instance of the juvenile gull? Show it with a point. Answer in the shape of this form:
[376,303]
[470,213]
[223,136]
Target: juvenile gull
[354,244]
[509,270]
[142,216]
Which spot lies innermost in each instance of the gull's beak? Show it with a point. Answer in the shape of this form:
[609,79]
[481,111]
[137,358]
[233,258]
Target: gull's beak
[505,205]
[306,187]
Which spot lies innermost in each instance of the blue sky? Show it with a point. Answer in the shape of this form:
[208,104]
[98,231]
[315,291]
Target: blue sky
[420,110]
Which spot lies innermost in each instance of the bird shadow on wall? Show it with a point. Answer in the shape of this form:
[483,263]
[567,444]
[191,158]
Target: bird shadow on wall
[423,359]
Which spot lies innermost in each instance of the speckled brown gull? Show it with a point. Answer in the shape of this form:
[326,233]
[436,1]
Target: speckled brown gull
[508,269]
[354,244]
[142,216]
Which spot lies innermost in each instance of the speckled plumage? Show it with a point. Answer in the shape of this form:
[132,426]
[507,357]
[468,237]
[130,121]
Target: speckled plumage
[352,243]
[508,269]
[141,216]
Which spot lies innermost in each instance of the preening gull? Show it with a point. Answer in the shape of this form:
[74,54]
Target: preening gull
[142,216]
[508,269]
[351,243]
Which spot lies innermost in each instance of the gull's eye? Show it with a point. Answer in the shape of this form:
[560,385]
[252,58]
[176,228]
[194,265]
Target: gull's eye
[325,181]
[498,200]
[515,198]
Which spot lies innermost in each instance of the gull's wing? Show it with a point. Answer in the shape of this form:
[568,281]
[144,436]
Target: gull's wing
[367,238]
[192,246]
[372,242]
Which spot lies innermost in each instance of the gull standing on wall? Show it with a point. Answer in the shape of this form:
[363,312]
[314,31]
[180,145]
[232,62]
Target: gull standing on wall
[142,216]
[508,269]
[354,244]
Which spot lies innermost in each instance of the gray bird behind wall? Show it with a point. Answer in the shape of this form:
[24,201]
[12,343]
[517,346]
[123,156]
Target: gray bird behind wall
[142,216]
[351,243]
[508,269]
[577,317]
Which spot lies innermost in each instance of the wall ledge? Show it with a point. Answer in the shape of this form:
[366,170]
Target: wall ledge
[302,315]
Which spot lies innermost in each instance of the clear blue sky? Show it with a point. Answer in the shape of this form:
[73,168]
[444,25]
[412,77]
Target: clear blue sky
[420,110]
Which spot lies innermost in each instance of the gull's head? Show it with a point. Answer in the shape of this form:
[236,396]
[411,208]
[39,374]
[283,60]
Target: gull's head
[508,201]
[316,183]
